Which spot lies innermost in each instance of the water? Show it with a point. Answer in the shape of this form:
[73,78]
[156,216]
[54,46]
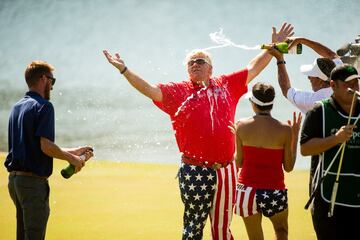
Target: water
[95,105]
[222,41]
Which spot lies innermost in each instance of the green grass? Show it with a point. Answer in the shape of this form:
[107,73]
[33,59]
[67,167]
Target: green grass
[109,200]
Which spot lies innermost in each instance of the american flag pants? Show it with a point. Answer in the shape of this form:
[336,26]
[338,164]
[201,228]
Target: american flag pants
[206,191]
[250,201]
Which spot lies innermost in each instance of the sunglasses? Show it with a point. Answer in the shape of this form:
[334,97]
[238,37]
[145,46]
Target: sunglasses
[53,80]
[199,61]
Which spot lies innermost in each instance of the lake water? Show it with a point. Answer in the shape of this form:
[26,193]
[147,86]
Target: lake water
[95,105]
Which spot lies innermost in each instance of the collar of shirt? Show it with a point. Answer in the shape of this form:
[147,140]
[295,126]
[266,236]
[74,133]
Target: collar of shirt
[337,106]
[196,86]
[33,94]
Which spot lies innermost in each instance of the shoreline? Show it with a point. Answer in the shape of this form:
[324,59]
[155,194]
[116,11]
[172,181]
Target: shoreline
[297,167]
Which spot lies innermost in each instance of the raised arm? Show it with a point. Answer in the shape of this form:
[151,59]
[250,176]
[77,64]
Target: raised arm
[283,77]
[151,91]
[316,46]
[258,63]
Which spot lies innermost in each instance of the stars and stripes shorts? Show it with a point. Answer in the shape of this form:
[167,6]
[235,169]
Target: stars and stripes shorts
[250,201]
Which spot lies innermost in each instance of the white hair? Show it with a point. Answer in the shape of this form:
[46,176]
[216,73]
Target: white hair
[200,52]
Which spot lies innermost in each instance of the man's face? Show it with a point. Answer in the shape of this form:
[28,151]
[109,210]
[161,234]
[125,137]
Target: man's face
[316,83]
[48,86]
[340,90]
[199,68]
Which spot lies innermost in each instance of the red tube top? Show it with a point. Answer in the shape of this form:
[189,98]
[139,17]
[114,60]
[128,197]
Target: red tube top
[262,168]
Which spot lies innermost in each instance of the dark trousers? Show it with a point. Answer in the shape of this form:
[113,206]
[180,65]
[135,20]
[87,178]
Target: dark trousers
[341,226]
[31,198]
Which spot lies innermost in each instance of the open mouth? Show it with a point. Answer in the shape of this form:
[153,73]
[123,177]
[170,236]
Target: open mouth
[196,70]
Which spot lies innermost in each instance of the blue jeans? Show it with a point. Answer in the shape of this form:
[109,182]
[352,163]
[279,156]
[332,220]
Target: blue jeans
[31,198]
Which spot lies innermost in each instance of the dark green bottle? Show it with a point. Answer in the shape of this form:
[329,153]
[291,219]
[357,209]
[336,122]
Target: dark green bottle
[68,171]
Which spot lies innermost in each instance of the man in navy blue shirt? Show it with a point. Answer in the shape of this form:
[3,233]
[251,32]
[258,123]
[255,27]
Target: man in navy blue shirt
[31,151]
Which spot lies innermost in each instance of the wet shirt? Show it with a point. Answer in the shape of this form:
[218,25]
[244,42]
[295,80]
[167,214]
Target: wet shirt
[201,115]
[30,118]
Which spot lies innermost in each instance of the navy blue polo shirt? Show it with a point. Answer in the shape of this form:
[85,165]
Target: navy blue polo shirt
[30,118]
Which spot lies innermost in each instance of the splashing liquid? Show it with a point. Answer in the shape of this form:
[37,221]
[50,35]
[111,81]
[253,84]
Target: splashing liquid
[213,94]
[188,99]
[222,41]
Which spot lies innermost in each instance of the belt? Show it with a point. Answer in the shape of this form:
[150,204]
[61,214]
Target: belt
[191,161]
[28,174]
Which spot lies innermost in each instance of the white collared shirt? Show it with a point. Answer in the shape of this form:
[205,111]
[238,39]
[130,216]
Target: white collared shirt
[305,100]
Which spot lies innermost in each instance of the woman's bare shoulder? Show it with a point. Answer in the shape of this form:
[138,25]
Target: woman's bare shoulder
[244,121]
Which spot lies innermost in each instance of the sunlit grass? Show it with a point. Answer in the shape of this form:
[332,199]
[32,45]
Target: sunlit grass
[109,200]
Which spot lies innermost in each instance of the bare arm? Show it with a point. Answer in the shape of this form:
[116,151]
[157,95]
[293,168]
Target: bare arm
[239,153]
[283,77]
[52,150]
[79,150]
[151,91]
[258,63]
[291,142]
[316,46]
[318,145]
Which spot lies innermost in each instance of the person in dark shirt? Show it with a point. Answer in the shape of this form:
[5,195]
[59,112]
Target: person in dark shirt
[31,136]
[332,123]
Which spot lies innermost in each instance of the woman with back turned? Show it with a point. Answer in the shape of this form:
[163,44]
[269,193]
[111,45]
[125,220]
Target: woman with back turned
[264,147]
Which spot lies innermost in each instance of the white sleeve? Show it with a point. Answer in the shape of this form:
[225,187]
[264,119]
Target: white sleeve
[337,61]
[305,100]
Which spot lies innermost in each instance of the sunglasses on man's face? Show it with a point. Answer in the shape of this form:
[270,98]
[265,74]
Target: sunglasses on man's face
[53,80]
[199,61]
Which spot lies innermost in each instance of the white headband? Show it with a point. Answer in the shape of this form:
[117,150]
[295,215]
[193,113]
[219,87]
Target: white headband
[260,103]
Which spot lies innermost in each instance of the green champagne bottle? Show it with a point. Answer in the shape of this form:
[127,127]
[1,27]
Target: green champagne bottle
[283,47]
[70,170]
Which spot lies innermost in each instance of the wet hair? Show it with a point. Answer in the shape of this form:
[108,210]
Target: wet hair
[265,93]
[35,70]
[202,53]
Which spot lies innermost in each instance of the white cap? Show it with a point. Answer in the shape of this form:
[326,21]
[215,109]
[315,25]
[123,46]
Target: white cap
[313,70]
[258,102]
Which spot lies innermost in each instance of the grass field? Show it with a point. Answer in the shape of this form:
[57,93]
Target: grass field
[110,200]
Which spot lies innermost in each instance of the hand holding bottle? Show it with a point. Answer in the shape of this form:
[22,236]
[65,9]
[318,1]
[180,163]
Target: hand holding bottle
[294,41]
[83,158]
[276,53]
[283,47]
[76,166]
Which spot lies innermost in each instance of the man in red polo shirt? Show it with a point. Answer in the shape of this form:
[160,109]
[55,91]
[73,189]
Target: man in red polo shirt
[201,109]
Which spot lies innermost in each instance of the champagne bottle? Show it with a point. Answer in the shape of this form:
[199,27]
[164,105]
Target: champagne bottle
[283,47]
[70,170]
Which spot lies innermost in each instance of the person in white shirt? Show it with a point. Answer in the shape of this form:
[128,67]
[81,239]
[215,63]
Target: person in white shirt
[318,74]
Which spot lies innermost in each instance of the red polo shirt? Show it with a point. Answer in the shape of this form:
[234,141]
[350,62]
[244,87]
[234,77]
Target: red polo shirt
[201,115]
